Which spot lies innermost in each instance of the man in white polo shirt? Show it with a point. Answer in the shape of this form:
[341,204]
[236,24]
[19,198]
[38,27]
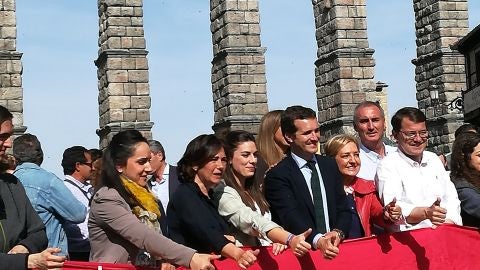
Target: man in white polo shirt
[369,122]
[415,177]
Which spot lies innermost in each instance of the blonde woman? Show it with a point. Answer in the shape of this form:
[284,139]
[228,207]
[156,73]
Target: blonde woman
[271,144]
[366,208]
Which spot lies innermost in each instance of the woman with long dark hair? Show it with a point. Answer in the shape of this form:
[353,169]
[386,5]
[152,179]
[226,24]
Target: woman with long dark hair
[192,214]
[123,223]
[241,201]
[465,174]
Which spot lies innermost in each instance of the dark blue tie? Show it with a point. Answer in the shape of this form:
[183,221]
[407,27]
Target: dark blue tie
[317,198]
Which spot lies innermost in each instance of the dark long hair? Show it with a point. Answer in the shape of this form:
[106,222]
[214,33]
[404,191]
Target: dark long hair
[198,153]
[119,150]
[251,193]
[460,161]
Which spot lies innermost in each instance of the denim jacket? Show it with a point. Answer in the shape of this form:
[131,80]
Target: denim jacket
[52,200]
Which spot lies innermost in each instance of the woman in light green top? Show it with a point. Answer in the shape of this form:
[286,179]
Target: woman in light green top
[242,203]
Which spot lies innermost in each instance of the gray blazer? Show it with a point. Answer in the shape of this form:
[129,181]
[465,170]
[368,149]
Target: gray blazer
[116,235]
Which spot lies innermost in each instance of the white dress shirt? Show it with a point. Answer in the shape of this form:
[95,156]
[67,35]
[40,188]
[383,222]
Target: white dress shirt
[370,160]
[307,175]
[78,239]
[160,188]
[416,184]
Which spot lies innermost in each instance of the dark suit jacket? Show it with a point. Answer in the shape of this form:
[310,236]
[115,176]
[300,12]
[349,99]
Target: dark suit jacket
[173,183]
[290,201]
[172,180]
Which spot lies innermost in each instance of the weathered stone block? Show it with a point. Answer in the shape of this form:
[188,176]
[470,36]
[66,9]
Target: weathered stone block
[7,17]
[118,102]
[140,102]
[128,63]
[11,93]
[135,31]
[115,89]
[142,89]
[8,5]
[143,115]
[138,76]
[130,115]
[126,42]
[113,11]
[16,80]
[115,115]
[138,43]
[115,2]
[114,63]
[127,12]
[119,21]
[15,105]
[114,43]
[252,17]
[8,32]
[134,3]
[117,76]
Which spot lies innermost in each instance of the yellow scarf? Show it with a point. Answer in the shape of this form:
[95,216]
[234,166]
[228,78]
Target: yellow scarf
[143,196]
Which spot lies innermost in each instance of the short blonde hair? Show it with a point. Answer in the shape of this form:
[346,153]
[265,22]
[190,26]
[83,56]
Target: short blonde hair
[335,143]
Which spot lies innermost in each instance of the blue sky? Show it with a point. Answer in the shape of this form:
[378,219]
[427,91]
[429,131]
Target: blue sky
[58,39]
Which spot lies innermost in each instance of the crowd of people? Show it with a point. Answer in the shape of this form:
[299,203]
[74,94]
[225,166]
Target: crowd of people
[126,204]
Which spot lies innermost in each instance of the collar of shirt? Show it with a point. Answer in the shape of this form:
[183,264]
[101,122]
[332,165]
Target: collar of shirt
[165,175]
[78,183]
[300,161]
[374,155]
[412,162]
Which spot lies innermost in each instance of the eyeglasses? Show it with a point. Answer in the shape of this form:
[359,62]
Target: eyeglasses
[89,164]
[412,134]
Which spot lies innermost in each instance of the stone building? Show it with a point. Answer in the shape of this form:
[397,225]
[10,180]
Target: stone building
[11,92]
[344,66]
[469,46]
[439,70]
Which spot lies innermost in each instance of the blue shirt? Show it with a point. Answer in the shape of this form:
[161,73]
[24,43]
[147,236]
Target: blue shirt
[52,200]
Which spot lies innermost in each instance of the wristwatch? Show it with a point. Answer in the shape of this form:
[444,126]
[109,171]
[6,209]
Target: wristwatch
[340,233]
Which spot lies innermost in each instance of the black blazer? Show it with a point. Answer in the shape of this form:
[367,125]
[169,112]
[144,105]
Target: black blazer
[172,180]
[172,186]
[290,200]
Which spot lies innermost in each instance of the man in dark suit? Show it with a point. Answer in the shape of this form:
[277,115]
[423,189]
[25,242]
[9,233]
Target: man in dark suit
[164,179]
[305,190]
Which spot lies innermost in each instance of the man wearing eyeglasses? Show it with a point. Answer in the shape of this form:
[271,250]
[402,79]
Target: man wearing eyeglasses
[77,167]
[53,202]
[369,123]
[415,177]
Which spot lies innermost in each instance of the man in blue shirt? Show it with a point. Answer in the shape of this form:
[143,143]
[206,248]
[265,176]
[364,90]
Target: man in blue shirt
[49,196]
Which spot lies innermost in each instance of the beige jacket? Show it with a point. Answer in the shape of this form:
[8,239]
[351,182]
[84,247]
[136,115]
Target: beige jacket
[116,235]
[248,225]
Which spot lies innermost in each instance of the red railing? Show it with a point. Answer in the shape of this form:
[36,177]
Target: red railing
[447,247]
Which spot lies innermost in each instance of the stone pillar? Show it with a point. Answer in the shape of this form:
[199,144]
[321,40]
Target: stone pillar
[238,66]
[11,92]
[345,67]
[124,93]
[381,96]
[439,70]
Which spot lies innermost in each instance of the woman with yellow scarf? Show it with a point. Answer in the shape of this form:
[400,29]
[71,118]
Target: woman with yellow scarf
[124,215]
